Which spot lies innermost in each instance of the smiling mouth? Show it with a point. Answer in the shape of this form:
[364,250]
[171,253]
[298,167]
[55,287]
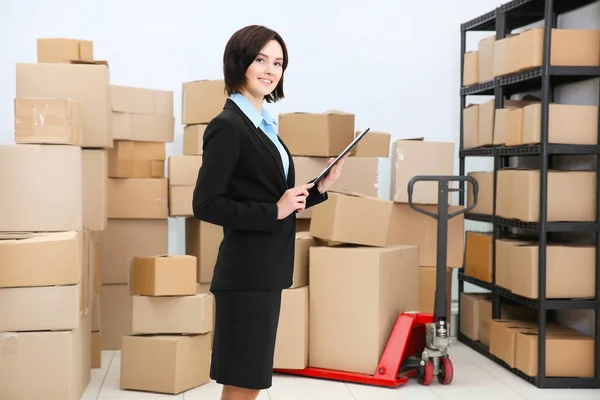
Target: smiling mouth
[266,81]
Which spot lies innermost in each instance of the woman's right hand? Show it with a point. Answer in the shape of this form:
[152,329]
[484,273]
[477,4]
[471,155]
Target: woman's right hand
[293,199]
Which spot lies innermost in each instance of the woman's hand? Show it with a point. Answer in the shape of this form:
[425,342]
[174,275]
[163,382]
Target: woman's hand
[326,183]
[293,199]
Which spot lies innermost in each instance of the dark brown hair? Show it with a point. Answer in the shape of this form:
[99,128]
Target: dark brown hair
[241,51]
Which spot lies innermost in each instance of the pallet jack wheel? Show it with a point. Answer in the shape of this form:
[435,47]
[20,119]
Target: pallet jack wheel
[426,374]
[446,371]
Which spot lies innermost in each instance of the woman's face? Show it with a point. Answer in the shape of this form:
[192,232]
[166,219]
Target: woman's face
[263,75]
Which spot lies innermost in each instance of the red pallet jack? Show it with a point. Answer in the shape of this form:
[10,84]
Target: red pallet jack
[414,348]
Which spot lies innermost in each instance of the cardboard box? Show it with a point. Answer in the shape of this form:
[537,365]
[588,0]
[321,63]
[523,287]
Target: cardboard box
[517,195]
[193,139]
[173,314]
[124,239]
[202,101]
[418,157]
[507,311]
[138,198]
[33,260]
[485,130]
[180,201]
[316,134]
[504,262]
[301,259]
[26,358]
[183,170]
[427,286]
[40,308]
[485,195]
[202,240]
[567,124]
[135,100]
[408,226]
[505,56]
[48,121]
[144,160]
[165,364]
[302,225]
[374,144]
[39,178]
[560,349]
[471,68]
[374,285]
[485,49]
[64,50]
[165,275]
[469,314]
[291,344]
[576,281]
[88,84]
[116,314]
[143,127]
[503,338]
[352,218]
[95,189]
[470,126]
[478,257]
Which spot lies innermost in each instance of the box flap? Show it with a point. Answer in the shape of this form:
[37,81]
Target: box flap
[95,62]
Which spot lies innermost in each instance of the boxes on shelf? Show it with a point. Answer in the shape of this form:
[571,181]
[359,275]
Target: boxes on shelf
[485,63]
[567,124]
[485,196]
[471,68]
[478,255]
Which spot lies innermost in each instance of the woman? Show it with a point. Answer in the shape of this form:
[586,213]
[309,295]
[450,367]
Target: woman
[247,185]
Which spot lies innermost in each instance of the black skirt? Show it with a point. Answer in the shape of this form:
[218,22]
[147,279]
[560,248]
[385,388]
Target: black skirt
[244,338]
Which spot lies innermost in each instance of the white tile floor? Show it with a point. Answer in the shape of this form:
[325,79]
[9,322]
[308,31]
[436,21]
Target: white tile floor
[475,378]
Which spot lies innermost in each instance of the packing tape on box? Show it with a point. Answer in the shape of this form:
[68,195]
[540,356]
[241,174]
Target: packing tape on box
[9,343]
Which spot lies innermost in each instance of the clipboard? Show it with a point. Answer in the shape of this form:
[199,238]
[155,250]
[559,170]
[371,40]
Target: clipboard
[323,174]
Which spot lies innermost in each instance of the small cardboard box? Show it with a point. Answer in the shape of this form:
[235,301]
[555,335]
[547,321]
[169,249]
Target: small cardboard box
[193,136]
[165,364]
[183,170]
[374,144]
[291,345]
[48,121]
[471,68]
[478,255]
[317,134]
[354,219]
[470,126]
[202,101]
[486,58]
[485,196]
[469,314]
[64,50]
[165,275]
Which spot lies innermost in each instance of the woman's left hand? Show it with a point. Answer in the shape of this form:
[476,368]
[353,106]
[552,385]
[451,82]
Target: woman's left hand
[333,175]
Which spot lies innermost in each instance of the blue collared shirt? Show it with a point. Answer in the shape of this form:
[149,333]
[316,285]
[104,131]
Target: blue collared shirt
[265,122]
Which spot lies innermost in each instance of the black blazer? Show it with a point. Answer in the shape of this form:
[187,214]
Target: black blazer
[239,184]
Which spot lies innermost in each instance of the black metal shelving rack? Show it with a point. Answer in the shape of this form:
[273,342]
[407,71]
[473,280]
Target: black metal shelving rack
[503,20]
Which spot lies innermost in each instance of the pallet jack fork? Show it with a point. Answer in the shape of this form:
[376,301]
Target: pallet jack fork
[419,342]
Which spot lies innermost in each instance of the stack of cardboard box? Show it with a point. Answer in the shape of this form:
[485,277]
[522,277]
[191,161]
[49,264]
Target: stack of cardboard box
[52,210]
[171,325]
[143,122]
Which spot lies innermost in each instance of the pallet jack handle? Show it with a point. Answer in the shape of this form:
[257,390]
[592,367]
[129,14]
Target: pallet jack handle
[442,217]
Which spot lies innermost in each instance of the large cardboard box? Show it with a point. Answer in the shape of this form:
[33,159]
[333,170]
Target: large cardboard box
[26,358]
[135,100]
[116,315]
[485,49]
[138,198]
[165,364]
[124,239]
[567,124]
[202,240]
[408,226]
[504,262]
[202,100]
[165,275]
[485,196]
[128,159]
[193,139]
[418,157]
[37,179]
[301,259]
[517,195]
[89,84]
[32,260]
[95,189]
[291,344]
[356,296]
[316,134]
[64,50]
[471,68]
[48,121]
[40,308]
[173,314]
[478,255]
[353,219]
